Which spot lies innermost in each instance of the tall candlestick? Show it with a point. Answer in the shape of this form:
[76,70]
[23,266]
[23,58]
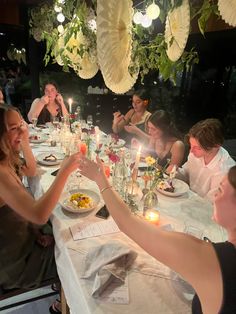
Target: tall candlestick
[70,102]
[138,155]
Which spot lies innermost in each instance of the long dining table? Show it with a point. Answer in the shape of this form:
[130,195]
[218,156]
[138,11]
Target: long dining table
[149,286]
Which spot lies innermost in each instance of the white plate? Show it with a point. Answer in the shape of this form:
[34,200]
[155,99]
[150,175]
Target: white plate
[40,138]
[120,143]
[41,157]
[180,188]
[67,205]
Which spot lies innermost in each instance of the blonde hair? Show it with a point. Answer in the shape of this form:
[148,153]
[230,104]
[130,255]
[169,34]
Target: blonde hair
[6,151]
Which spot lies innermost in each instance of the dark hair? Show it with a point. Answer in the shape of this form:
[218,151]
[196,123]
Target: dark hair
[161,119]
[209,133]
[232,177]
[142,94]
[51,83]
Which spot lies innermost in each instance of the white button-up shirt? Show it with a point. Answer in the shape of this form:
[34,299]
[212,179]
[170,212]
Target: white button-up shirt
[205,179]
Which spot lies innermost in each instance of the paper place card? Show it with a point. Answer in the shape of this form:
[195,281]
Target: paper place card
[85,229]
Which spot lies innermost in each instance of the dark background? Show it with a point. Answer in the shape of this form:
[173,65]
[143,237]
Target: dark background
[208,90]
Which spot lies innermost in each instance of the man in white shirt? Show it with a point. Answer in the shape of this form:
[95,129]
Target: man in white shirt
[208,161]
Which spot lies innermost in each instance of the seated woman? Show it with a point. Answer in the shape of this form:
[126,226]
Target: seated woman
[208,161]
[163,139]
[208,267]
[21,251]
[137,116]
[50,105]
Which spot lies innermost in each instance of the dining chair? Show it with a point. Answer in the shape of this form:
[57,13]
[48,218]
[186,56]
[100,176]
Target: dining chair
[19,296]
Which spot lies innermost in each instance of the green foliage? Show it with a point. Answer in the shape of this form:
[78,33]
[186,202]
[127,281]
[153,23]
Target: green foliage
[149,47]
[205,12]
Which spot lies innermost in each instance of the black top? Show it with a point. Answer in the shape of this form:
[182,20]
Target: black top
[23,262]
[226,253]
[45,115]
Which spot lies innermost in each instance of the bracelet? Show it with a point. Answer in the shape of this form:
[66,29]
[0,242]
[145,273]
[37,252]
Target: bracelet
[106,188]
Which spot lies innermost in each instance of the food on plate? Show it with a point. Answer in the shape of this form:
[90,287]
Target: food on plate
[50,157]
[166,185]
[81,200]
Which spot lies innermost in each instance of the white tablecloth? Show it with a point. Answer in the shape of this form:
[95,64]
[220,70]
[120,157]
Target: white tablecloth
[152,286]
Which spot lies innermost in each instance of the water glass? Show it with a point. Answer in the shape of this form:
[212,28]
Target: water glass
[90,121]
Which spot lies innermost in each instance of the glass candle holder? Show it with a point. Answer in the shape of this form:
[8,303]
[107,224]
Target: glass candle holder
[153,216]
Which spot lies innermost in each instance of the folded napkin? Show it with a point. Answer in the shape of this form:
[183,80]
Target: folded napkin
[106,263]
[35,186]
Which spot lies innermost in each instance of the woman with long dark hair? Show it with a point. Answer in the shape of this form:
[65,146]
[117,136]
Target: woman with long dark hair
[50,105]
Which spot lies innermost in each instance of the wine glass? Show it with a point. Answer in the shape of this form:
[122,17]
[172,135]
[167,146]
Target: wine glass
[90,121]
[34,122]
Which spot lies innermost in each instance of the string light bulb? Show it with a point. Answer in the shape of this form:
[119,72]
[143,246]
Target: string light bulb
[138,17]
[60,17]
[153,11]
[146,21]
[60,28]
[57,8]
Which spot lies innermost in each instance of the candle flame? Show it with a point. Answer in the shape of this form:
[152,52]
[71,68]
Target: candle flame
[70,101]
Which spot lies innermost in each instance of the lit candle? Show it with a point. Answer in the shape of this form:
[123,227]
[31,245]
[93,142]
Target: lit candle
[70,102]
[152,216]
[138,155]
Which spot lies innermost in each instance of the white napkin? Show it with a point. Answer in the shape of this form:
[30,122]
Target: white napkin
[35,186]
[106,263]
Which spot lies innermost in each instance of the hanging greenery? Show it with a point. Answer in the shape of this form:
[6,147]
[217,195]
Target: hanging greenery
[72,42]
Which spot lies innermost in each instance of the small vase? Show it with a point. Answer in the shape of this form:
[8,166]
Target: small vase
[150,201]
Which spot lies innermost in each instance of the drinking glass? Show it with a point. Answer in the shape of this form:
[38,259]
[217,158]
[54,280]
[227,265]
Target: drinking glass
[34,122]
[90,121]
[55,122]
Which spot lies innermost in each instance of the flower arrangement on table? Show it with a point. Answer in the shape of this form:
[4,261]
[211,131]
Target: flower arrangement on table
[157,176]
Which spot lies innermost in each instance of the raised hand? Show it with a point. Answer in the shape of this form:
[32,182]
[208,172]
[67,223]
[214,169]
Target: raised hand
[45,100]
[117,117]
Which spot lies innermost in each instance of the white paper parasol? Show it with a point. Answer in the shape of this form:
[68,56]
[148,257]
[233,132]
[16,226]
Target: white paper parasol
[177,30]
[228,11]
[87,68]
[114,43]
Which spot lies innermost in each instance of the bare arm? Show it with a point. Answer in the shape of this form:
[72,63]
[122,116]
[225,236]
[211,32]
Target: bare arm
[119,120]
[38,212]
[133,129]
[37,106]
[194,259]
[30,166]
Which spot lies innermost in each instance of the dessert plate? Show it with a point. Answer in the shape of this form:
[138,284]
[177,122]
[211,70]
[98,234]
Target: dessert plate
[50,159]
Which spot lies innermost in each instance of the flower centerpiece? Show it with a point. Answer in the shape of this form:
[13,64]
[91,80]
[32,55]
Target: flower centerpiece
[157,176]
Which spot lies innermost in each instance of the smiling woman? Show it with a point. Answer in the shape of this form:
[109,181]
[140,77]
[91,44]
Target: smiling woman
[21,246]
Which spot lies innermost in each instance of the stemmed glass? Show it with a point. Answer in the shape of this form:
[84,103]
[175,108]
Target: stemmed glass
[90,121]
[34,122]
